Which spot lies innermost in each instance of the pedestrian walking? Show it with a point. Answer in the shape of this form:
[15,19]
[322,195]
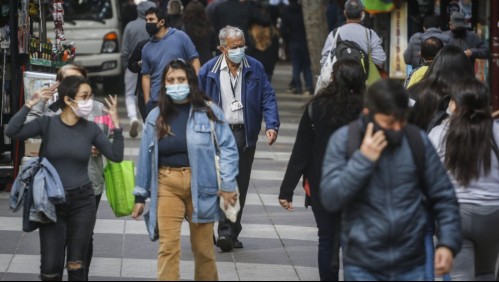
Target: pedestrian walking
[263,45]
[468,41]
[240,14]
[431,28]
[133,34]
[293,31]
[166,44]
[239,85]
[76,217]
[200,30]
[334,106]
[135,66]
[383,175]
[429,50]
[96,162]
[354,31]
[467,144]
[450,65]
[176,169]
[175,10]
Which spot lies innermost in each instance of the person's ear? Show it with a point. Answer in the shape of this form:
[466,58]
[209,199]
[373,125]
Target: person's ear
[365,111]
[68,101]
[362,16]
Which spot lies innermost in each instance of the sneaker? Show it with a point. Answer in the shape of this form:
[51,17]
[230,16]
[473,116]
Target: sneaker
[225,243]
[134,128]
[291,89]
[297,92]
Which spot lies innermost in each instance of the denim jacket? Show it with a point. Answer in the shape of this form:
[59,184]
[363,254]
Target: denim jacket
[201,151]
[47,190]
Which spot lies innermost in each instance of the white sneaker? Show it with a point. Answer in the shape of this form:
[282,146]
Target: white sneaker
[134,128]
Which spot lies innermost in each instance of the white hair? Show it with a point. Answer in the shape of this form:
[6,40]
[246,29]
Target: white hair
[229,32]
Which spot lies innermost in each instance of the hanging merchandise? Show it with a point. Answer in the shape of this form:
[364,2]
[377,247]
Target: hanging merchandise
[58,16]
[378,6]
[23,31]
[43,52]
[4,46]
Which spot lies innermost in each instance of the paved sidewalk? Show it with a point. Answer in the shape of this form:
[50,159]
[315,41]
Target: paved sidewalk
[278,245]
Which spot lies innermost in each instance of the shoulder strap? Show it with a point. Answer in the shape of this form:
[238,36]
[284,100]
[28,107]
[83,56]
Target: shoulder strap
[354,138]
[495,148]
[418,150]
[43,146]
[310,110]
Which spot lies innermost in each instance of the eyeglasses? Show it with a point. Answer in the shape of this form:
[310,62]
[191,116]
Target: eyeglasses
[84,98]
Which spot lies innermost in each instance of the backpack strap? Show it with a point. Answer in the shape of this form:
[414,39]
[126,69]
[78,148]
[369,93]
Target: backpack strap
[354,138]
[418,150]
[310,110]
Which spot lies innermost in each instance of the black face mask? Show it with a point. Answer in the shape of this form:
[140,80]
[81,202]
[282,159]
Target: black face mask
[393,137]
[152,28]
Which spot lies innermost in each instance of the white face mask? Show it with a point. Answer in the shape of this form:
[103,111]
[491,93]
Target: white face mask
[84,108]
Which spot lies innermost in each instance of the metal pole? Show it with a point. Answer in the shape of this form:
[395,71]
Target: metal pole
[494,64]
[15,69]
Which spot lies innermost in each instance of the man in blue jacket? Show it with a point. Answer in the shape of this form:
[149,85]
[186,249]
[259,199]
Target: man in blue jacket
[385,189]
[239,85]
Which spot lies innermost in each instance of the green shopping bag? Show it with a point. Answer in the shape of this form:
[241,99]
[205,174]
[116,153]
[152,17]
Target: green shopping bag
[120,182]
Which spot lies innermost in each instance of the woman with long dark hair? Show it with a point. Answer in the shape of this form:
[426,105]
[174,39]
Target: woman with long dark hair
[200,30]
[176,169]
[468,145]
[72,232]
[431,94]
[334,106]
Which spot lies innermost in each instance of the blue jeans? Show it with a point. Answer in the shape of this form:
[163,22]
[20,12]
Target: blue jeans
[355,273]
[430,252]
[329,242]
[300,59]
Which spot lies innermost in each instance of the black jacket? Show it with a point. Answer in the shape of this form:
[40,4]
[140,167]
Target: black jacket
[293,25]
[238,14]
[310,146]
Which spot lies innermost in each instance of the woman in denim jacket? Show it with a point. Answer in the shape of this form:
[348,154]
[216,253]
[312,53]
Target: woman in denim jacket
[176,169]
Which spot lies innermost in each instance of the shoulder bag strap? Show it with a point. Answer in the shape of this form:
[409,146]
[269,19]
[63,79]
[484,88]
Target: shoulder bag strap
[217,154]
[354,138]
[43,146]
[418,150]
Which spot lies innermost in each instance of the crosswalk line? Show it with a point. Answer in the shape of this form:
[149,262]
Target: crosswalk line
[147,269]
[132,227]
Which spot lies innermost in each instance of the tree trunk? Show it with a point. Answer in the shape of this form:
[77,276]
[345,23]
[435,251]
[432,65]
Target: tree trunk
[314,14]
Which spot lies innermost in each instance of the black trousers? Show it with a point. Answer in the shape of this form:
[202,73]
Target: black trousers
[91,247]
[73,230]
[246,157]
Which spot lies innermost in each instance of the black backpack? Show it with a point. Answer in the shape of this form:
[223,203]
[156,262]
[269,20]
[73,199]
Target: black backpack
[346,49]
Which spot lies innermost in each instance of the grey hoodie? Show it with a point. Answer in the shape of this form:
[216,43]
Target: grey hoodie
[135,32]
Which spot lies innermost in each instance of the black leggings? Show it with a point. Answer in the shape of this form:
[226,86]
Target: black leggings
[73,229]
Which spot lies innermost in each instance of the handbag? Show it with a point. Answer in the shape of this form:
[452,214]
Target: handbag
[120,182]
[326,70]
[232,210]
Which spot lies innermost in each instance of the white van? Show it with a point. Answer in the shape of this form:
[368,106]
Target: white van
[95,28]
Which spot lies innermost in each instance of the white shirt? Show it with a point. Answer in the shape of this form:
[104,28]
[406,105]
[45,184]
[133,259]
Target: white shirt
[226,80]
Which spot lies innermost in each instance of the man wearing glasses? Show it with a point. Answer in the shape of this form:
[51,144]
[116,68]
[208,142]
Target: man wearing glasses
[239,85]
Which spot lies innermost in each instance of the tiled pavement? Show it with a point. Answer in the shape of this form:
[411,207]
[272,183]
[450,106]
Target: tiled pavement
[278,245]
